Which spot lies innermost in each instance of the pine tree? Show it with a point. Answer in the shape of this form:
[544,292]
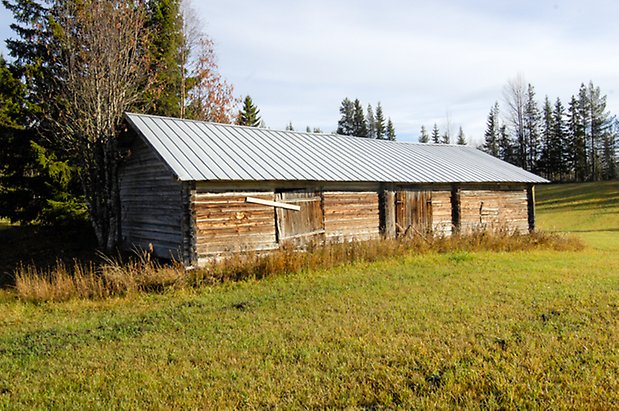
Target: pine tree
[380,122]
[461,137]
[345,125]
[371,122]
[491,135]
[359,128]
[249,114]
[423,136]
[289,126]
[436,134]
[390,133]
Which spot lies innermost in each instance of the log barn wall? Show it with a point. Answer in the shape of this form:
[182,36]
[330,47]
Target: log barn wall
[351,215]
[493,209]
[441,213]
[225,222]
[151,204]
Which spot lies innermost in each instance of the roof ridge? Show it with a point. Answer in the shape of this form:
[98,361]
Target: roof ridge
[378,140]
[188,145]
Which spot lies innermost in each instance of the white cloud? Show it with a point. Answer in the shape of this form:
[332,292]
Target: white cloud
[423,60]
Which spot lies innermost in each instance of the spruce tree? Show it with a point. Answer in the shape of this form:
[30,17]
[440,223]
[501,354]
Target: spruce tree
[380,122]
[559,141]
[506,147]
[345,125]
[577,152]
[491,135]
[390,133]
[446,139]
[598,122]
[166,27]
[38,182]
[609,153]
[371,122]
[249,114]
[423,135]
[547,140]
[461,138]
[359,128]
[289,126]
[436,134]
[531,130]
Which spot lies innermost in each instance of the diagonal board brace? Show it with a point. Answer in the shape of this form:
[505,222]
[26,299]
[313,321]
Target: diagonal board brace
[273,203]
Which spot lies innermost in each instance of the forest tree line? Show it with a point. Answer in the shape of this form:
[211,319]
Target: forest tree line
[577,142]
[355,121]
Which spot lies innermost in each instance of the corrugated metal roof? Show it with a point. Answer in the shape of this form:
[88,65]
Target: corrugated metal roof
[199,151]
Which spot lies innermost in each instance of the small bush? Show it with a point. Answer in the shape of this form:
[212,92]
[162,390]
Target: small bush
[115,278]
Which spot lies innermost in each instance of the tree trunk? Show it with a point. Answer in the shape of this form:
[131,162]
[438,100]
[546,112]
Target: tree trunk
[101,191]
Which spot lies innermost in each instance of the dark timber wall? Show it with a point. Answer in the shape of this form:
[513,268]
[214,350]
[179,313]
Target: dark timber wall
[151,202]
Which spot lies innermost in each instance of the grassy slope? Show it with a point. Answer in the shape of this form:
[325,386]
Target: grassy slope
[498,329]
[591,210]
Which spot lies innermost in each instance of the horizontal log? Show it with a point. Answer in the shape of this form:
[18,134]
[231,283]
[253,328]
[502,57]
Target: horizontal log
[236,233]
[222,218]
[276,204]
[241,195]
[205,252]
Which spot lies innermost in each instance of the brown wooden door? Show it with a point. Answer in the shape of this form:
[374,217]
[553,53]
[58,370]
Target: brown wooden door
[413,212]
[303,225]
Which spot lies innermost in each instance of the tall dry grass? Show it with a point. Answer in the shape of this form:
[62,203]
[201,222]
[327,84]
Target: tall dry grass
[116,278]
[112,278]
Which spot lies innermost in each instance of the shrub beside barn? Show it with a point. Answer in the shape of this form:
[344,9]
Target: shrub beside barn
[194,190]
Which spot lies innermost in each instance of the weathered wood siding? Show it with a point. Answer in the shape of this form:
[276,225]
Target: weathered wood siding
[225,222]
[301,226]
[351,215]
[493,209]
[413,212]
[151,204]
[441,213]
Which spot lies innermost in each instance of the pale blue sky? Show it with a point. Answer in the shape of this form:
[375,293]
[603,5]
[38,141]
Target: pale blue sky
[425,61]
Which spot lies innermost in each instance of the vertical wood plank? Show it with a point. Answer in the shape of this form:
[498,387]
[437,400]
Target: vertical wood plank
[390,211]
[531,206]
[456,209]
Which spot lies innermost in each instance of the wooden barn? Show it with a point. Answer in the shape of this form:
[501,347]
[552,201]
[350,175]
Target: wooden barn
[193,190]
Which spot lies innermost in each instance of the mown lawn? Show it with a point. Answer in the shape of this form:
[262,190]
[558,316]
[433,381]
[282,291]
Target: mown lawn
[498,330]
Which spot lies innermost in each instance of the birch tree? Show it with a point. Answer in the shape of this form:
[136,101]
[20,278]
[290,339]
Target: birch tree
[102,64]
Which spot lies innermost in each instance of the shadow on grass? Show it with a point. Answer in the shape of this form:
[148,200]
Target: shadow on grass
[44,247]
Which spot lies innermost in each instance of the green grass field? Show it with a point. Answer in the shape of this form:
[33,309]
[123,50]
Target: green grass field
[533,329]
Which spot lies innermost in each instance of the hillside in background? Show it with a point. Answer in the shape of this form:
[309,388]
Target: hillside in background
[589,210]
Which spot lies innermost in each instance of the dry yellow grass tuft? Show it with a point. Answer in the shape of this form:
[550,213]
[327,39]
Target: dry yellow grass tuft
[141,274]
